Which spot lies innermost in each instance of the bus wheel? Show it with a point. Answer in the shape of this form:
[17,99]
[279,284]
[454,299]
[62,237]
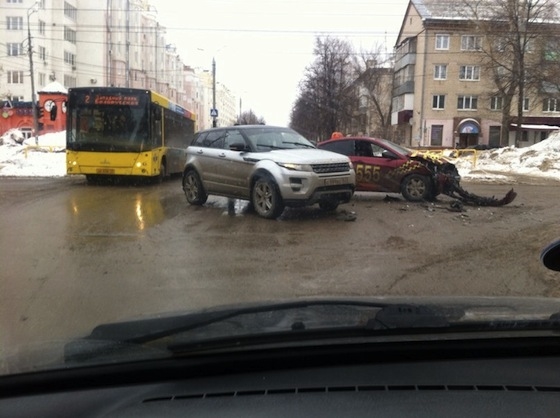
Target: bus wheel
[193,188]
[162,173]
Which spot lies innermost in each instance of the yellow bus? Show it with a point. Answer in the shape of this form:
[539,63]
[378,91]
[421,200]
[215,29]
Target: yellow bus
[113,131]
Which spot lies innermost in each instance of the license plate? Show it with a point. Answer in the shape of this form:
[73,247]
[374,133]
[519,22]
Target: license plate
[105,171]
[334,182]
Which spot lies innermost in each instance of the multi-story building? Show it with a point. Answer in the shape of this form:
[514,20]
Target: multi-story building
[371,116]
[444,96]
[225,102]
[90,43]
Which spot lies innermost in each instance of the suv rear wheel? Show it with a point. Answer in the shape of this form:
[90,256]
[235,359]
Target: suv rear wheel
[192,186]
[266,199]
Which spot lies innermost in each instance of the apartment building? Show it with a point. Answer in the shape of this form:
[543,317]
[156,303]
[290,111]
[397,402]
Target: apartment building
[91,43]
[445,96]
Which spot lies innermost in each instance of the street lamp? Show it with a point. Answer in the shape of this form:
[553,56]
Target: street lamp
[30,11]
[214,111]
[214,123]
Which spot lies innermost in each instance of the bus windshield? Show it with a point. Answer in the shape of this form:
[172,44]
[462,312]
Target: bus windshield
[109,127]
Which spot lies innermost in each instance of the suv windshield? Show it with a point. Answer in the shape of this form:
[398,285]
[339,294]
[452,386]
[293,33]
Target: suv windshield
[265,139]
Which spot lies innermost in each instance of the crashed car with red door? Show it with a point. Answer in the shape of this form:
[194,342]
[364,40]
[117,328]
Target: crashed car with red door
[383,166]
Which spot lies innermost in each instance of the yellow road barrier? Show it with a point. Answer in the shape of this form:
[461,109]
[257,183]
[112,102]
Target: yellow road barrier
[50,148]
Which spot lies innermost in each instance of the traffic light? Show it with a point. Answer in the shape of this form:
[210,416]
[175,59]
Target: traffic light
[40,112]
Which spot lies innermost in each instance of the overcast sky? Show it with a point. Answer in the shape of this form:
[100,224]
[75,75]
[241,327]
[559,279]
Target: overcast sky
[262,47]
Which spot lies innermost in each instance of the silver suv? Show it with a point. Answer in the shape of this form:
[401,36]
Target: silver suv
[272,167]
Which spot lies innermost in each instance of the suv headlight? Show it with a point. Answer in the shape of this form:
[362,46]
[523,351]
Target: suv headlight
[296,167]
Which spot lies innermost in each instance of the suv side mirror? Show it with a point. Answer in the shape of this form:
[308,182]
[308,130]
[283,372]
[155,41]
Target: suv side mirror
[550,256]
[237,146]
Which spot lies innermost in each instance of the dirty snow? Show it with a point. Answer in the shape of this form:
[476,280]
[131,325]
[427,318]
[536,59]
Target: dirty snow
[47,159]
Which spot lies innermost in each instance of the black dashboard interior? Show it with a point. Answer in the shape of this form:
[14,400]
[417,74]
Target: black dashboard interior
[473,378]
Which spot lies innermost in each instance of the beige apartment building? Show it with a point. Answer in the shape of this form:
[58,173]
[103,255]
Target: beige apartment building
[443,96]
[82,43]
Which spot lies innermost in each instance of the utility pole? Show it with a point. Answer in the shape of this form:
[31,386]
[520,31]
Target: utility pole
[127,43]
[156,56]
[214,124]
[34,108]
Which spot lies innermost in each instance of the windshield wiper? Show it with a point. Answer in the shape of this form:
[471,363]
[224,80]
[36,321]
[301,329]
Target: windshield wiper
[294,322]
[299,143]
[256,321]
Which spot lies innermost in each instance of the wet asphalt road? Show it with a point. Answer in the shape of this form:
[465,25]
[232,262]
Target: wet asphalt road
[74,255]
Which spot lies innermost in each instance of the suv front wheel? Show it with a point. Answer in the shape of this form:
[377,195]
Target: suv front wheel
[266,198]
[192,186]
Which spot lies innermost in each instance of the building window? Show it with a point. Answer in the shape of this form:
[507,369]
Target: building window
[15,1]
[70,11]
[42,79]
[500,45]
[42,53]
[69,81]
[471,43]
[69,58]
[15,77]
[526,104]
[42,27]
[467,102]
[436,137]
[69,35]
[442,41]
[469,72]
[14,49]
[440,72]
[14,23]
[496,103]
[438,101]
[551,105]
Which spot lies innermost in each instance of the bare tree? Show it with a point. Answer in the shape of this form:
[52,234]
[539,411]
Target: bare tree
[514,31]
[249,117]
[374,81]
[326,91]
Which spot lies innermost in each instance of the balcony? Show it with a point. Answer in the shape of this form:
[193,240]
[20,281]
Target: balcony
[408,59]
[406,87]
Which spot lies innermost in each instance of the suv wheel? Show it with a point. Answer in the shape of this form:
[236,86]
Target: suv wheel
[416,188]
[192,186]
[266,199]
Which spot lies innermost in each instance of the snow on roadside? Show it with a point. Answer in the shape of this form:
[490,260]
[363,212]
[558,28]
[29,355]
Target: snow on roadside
[497,165]
[539,160]
[47,159]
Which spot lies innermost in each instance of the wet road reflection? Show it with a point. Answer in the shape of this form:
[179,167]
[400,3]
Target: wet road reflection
[120,210]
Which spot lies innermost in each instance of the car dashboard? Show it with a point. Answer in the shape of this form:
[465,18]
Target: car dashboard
[488,377]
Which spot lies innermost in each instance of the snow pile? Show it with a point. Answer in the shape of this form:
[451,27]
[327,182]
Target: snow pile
[24,158]
[539,160]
